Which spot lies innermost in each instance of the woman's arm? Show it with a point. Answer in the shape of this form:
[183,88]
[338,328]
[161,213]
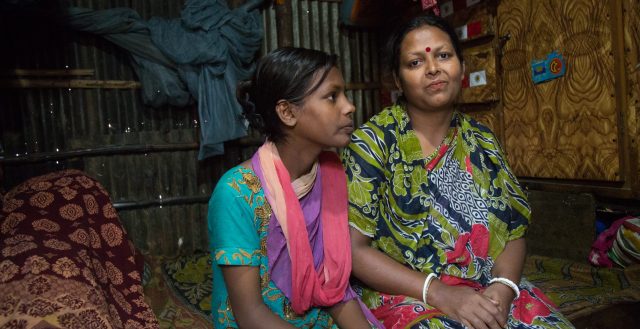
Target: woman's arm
[243,285]
[511,261]
[349,315]
[508,265]
[381,272]
[384,274]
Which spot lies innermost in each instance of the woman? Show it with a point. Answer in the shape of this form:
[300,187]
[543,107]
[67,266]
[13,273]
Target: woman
[437,218]
[278,222]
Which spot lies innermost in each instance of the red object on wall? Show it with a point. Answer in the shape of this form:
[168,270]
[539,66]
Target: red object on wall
[465,81]
[473,29]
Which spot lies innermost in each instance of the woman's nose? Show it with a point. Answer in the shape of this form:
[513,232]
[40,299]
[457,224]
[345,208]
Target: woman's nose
[431,67]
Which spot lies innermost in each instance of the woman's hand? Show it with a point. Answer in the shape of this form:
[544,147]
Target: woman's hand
[464,304]
[503,295]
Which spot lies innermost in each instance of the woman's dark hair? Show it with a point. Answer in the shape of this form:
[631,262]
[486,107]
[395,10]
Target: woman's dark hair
[392,47]
[284,74]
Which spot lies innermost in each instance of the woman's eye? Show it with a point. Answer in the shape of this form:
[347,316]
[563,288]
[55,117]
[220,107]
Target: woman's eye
[414,63]
[332,97]
[444,55]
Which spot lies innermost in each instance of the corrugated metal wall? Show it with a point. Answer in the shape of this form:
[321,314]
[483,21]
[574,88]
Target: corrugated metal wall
[315,25]
[145,157]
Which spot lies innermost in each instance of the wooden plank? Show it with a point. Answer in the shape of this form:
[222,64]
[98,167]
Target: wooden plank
[621,87]
[90,152]
[604,189]
[363,85]
[48,73]
[284,24]
[72,83]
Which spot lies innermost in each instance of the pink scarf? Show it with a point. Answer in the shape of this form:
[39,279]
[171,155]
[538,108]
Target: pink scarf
[310,288]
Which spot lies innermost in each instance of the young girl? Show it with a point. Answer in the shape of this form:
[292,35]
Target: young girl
[278,222]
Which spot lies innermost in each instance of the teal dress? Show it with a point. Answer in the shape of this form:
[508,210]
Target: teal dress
[238,221]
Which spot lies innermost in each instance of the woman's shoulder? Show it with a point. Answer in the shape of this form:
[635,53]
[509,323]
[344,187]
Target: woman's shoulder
[475,127]
[390,115]
[380,126]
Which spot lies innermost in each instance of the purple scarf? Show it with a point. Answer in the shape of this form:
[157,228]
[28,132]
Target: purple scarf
[277,254]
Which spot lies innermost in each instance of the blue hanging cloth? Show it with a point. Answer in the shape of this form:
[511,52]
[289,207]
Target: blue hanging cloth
[201,56]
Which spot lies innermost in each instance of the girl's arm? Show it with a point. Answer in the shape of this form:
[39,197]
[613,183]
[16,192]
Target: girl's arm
[348,315]
[243,285]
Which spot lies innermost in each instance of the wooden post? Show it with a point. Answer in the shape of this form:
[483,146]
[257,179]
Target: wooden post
[284,24]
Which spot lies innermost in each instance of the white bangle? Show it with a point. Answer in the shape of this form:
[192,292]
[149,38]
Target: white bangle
[425,287]
[507,283]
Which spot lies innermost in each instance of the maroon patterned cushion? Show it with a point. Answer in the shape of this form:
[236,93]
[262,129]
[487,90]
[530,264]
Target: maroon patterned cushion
[66,260]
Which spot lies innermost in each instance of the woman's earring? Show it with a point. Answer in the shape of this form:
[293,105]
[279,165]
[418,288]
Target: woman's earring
[395,95]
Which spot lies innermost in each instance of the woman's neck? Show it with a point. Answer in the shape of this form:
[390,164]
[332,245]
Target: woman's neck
[431,127]
[297,160]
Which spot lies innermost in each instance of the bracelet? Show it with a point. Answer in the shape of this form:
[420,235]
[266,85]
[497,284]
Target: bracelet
[425,287]
[507,283]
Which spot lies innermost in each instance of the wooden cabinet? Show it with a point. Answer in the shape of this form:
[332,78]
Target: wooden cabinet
[578,132]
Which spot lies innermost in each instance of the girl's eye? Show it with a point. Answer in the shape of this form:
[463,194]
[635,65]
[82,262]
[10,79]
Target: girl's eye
[332,97]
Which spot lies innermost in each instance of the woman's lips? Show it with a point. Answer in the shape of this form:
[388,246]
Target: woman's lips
[437,85]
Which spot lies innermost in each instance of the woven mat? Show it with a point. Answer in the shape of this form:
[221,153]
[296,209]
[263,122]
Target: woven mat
[580,289]
[179,290]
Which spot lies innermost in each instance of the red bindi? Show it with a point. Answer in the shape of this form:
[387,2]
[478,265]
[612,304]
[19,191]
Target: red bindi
[428,49]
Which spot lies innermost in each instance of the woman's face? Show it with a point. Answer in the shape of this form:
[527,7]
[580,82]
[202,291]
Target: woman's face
[325,118]
[430,73]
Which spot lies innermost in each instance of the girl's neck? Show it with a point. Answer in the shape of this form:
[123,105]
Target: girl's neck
[297,160]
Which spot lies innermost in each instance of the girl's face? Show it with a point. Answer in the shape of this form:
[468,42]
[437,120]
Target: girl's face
[429,74]
[325,118]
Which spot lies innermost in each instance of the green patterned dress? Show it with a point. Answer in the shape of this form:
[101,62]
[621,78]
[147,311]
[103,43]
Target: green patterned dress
[451,213]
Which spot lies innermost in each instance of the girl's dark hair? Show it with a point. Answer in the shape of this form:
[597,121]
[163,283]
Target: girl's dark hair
[392,47]
[284,74]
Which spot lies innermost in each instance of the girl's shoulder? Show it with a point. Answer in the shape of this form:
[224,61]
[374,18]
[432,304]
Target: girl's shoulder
[238,180]
[235,172]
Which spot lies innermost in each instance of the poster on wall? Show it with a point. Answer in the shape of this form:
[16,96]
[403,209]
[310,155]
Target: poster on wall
[547,69]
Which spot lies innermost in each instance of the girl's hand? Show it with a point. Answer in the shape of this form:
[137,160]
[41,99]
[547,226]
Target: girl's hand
[245,296]
[349,315]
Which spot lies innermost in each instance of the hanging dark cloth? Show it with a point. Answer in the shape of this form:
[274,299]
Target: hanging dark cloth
[200,56]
